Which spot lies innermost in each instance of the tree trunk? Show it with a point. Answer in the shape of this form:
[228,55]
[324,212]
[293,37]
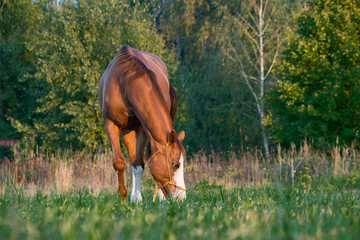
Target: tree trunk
[262,81]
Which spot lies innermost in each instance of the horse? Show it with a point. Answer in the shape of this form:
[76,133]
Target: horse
[139,103]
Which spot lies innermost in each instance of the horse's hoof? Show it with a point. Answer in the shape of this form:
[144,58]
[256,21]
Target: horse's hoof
[136,197]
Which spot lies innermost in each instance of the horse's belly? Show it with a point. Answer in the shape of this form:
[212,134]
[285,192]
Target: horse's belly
[122,117]
[132,123]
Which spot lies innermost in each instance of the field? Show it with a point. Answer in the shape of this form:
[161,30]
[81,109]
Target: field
[74,197]
[322,209]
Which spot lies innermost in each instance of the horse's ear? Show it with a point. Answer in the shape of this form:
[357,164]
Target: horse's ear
[172,137]
[181,136]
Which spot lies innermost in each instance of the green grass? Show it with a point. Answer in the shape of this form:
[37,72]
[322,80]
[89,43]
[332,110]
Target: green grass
[321,209]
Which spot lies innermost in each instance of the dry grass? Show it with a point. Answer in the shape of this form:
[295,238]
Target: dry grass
[74,171]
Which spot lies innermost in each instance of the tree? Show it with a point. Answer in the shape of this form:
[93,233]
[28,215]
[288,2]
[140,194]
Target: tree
[254,47]
[317,95]
[208,94]
[73,49]
[18,21]
[216,109]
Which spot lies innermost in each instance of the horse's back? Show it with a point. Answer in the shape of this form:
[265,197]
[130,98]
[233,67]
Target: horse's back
[112,88]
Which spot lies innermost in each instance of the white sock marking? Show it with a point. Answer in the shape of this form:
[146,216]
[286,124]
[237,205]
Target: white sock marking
[136,184]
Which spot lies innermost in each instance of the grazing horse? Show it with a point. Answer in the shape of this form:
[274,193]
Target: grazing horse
[137,100]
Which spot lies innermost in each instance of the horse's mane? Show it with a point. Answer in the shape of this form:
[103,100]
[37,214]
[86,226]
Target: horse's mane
[134,68]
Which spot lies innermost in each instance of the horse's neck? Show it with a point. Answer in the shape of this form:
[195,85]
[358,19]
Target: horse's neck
[155,145]
[150,109]
[157,130]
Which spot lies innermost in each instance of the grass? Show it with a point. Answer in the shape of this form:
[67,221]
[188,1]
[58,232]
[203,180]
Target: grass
[323,208]
[67,170]
[303,194]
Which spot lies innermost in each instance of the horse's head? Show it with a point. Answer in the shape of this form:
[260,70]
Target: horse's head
[167,166]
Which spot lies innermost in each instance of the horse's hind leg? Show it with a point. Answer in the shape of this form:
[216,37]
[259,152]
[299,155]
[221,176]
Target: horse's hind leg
[113,132]
[129,139]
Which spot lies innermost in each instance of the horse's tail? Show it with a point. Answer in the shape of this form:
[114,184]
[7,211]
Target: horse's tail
[174,102]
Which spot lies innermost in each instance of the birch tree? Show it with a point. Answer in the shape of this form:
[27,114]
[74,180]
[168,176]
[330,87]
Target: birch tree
[254,50]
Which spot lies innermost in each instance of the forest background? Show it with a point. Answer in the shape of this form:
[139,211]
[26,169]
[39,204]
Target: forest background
[247,72]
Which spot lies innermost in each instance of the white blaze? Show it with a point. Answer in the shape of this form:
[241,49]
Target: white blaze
[179,180]
[136,183]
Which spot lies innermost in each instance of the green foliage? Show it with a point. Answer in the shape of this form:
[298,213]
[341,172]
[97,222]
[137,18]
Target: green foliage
[52,55]
[217,108]
[65,46]
[318,94]
[209,94]
[18,20]
[72,50]
[323,209]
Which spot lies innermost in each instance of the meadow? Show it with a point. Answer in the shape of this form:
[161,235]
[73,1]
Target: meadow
[231,196]
[325,208]
[248,74]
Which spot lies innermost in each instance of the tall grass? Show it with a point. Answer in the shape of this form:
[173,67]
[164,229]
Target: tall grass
[303,194]
[66,170]
[323,209]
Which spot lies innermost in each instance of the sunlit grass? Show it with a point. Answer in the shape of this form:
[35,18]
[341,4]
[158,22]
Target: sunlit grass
[322,208]
[303,194]
[66,170]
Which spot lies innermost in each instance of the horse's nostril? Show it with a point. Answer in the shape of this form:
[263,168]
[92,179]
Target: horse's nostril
[176,165]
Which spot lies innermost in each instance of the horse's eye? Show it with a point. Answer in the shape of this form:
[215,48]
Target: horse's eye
[176,165]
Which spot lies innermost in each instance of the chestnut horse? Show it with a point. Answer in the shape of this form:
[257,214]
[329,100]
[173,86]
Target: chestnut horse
[137,100]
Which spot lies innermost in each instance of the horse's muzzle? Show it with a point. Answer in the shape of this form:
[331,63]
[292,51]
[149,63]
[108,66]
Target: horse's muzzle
[178,194]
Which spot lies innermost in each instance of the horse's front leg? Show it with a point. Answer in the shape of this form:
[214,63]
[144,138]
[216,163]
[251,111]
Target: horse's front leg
[129,139]
[138,165]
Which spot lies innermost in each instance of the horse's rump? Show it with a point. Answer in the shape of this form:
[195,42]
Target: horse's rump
[134,67]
